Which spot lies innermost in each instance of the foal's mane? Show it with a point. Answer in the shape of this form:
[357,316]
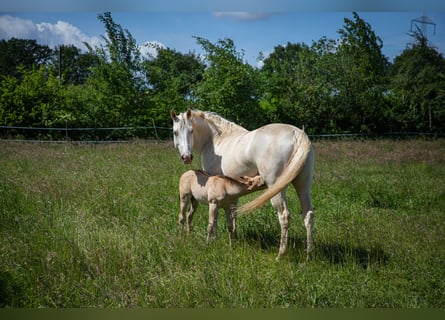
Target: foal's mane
[219,125]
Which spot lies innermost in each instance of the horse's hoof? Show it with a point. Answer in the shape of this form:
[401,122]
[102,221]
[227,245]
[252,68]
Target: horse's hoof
[279,257]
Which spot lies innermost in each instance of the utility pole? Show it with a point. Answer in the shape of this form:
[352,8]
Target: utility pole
[60,62]
[422,24]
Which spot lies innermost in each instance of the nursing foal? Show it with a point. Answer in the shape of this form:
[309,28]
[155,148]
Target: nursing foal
[216,191]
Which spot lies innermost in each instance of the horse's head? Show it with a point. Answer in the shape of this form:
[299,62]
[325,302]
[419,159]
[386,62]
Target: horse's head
[183,134]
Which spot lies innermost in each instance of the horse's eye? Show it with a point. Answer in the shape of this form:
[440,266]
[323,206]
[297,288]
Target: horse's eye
[175,133]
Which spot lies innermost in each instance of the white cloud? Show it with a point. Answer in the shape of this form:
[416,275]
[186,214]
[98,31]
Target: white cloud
[45,33]
[15,27]
[242,15]
[150,48]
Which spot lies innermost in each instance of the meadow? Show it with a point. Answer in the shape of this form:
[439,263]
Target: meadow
[96,226]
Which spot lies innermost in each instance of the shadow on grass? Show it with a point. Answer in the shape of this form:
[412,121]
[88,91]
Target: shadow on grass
[338,253]
[334,253]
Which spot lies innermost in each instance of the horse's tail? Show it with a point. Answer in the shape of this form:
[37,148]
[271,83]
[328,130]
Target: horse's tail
[302,147]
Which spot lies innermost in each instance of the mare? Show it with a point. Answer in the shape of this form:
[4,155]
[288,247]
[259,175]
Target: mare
[281,154]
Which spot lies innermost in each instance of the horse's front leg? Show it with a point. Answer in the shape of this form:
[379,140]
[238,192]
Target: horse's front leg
[213,220]
[193,207]
[279,203]
[184,201]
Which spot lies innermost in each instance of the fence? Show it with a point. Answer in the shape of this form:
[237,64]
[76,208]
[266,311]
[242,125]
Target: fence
[122,134]
[112,134]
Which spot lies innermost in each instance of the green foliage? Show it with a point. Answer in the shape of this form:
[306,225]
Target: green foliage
[330,86]
[117,78]
[230,86]
[72,66]
[361,69]
[173,78]
[31,101]
[96,226]
[19,54]
[417,87]
[10,113]
[120,45]
[294,90]
[343,85]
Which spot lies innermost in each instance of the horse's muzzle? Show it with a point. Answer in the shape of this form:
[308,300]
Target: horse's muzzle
[187,158]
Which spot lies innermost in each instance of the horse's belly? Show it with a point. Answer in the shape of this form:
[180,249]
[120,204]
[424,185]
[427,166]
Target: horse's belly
[236,164]
[200,194]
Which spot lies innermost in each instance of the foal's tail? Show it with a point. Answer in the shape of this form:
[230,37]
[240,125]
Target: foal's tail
[302,147]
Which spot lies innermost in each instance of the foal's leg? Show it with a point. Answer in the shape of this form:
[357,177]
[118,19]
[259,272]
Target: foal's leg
[279,203]
[231,214]
[213,220]
[193,207]
[184,201]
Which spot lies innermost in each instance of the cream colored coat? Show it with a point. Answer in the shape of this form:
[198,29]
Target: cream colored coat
[217,192]
[281,154]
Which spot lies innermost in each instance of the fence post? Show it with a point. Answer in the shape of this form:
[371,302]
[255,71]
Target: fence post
[66,130]
[156,131]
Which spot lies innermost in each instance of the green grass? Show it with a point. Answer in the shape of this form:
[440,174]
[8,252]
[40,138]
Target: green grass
[96,226]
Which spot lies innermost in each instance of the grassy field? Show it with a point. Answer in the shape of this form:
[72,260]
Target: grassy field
[96,226]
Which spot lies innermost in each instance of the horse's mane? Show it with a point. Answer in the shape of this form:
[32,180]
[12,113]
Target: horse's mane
[219,125]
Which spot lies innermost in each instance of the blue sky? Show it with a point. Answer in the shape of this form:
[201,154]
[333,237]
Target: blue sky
[255,31]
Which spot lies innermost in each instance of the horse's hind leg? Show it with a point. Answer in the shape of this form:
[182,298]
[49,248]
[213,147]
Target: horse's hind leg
[303,185]
[279,203]
[231,214]
[213,220]
[308,218]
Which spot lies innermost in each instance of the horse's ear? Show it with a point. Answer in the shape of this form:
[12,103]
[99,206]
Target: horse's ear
[173,115]
[189,113]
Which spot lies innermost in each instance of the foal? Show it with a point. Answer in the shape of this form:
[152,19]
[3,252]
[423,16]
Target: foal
[216,191]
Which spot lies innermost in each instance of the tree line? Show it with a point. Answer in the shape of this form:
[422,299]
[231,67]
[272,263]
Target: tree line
[343,85]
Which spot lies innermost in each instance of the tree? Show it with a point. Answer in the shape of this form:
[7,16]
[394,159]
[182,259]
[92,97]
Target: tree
[417,87]
[361,68]
[230,86]
[30,101]
[331,86]
[120,45]
[71,65]
[293,89]
[22,52]
[117,78]
[172,78]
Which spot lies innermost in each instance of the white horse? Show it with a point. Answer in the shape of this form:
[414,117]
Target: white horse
[279,153]
[219,192]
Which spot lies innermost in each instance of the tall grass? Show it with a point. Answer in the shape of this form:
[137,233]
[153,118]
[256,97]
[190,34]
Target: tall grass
[96,225]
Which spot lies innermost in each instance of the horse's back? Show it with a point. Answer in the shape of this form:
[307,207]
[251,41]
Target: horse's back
[195,183]
[265,150]
[271,147]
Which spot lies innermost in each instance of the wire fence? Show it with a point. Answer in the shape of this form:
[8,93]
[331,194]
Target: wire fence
[92,135]
[125,134]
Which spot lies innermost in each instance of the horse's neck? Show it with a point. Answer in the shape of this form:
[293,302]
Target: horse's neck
[221,127]
[202,135]
[209,132]
[210,161]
